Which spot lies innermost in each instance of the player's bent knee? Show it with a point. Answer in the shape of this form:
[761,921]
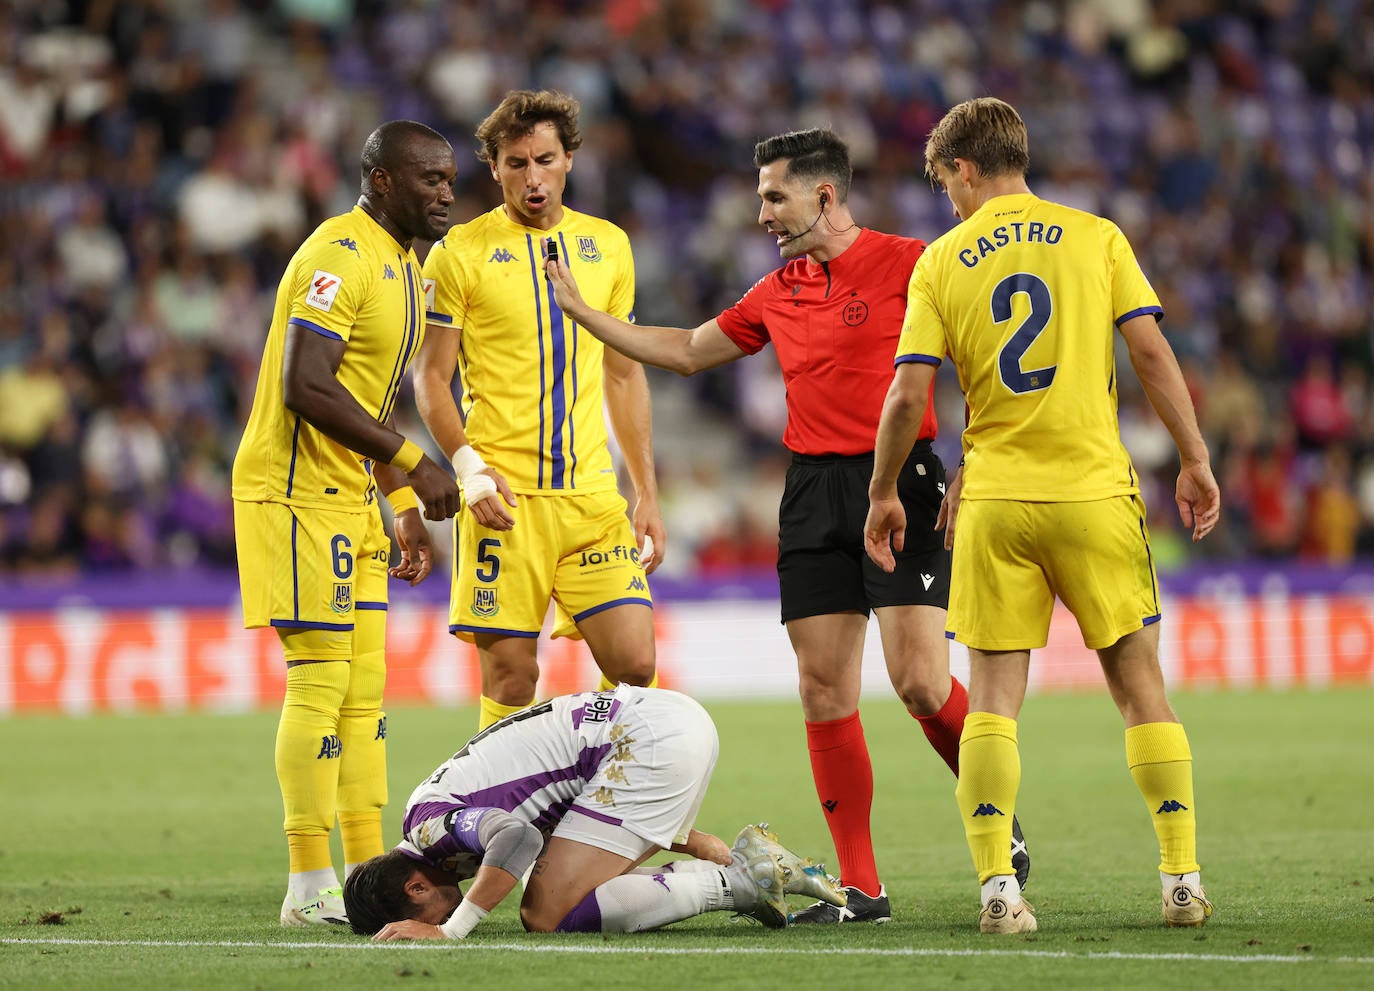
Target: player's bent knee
[922,695]
[536,920]
[639,673]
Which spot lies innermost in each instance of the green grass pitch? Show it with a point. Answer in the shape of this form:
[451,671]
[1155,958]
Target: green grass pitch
[145,851]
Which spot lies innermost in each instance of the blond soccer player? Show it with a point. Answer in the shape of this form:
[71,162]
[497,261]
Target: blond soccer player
[1023,295]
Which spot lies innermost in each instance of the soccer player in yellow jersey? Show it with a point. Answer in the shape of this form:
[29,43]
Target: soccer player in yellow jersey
[1022,295]
[311,548]
[536,389]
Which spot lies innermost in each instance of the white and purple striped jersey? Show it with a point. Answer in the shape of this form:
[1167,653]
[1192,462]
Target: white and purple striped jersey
[534,764]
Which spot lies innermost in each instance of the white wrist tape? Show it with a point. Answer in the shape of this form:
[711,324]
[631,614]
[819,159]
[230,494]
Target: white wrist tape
[464,918]
[471,470]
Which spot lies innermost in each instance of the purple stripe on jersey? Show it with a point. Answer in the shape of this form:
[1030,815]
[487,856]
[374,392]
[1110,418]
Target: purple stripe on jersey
[611,605]
[585,917]
[398,368]
[539,325]
[442,318]
[1157,311]
[559,399]
[1150,620]
[598,816]
[425,811]
[295,447]
[589,759]
[322,331]
[380,606]
[300,624]
[572,423]
[511,794]
[924,359]
[552,816]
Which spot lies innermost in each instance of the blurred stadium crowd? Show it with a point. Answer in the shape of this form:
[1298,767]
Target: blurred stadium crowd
[161,160]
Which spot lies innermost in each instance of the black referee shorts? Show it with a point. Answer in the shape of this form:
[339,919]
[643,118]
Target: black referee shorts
[822,566]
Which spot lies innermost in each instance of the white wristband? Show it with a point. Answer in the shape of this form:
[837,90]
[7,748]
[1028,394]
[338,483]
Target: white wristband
[464,918]
[471,470]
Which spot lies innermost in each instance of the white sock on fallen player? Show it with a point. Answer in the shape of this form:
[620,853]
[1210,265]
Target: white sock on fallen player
[637,901]
[678,867]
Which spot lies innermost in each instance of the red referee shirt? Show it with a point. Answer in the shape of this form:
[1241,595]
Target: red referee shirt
[835,327]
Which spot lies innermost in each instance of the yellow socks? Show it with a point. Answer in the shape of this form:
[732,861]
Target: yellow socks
[362,731]
[989,777]
[308,754]
[493,711]
[1162,765]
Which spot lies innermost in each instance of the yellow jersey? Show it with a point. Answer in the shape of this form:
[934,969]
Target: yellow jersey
[352,282]
[532,379]
[1024,296]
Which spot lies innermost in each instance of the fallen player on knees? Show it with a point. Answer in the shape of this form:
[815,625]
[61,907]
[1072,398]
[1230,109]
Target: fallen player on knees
[579,791]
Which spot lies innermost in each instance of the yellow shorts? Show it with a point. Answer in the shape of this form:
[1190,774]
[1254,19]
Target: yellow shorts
[309,569]
[1012,558]
[575,550]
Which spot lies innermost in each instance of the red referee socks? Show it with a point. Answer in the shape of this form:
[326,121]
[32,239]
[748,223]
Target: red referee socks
[844,784]
[942,728]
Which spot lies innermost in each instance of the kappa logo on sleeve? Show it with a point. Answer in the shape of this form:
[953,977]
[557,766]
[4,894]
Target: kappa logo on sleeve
[324,286]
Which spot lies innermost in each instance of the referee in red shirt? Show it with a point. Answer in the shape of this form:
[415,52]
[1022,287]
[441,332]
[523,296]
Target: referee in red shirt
[833,312]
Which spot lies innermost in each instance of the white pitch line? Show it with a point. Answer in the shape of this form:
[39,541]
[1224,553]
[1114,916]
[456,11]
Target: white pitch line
[686,951]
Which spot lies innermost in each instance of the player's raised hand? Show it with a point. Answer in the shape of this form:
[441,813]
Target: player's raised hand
[408,929]
[417,553]
[885,531]
[1198,498]
[435,490]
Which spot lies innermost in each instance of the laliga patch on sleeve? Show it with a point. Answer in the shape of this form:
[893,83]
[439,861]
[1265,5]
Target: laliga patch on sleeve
[324,286]
[429,295]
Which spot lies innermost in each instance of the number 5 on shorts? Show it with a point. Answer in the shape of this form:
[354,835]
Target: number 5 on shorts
[488,564]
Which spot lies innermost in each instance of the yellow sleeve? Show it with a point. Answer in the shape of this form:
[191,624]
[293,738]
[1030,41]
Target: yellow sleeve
[622,304]
[329,286]
[923,329]
[1132,294]
[445,285]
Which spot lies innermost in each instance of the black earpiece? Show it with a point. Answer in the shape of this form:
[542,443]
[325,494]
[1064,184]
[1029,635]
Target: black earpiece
[825,198]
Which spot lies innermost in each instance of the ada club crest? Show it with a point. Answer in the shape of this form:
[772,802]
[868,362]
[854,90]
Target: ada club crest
[343,598]
[484,602]
[587,249]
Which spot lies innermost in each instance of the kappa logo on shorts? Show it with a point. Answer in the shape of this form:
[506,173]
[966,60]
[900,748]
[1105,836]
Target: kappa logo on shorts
[343,598]
[484,602]
[636,585]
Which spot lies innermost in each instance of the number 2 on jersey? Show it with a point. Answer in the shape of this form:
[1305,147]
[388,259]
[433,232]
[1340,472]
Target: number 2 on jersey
[1009,358]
